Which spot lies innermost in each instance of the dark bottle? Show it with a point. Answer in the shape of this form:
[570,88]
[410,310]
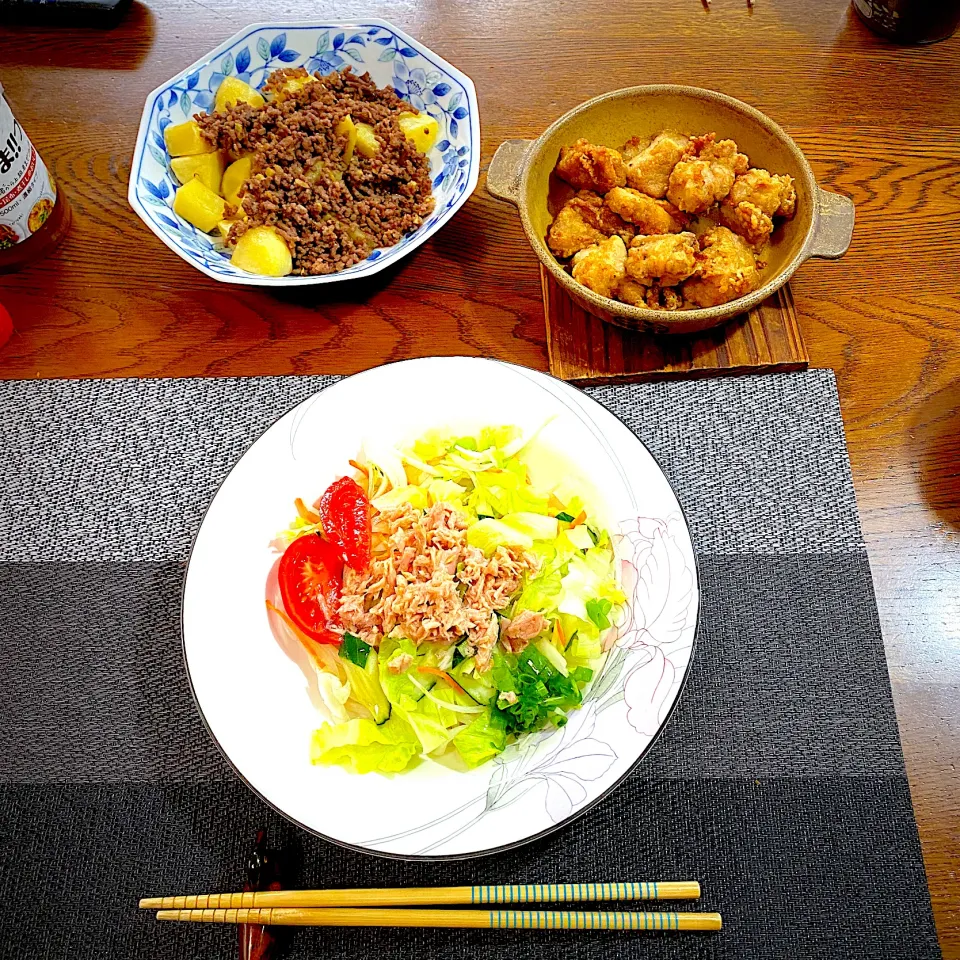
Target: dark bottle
[910,21]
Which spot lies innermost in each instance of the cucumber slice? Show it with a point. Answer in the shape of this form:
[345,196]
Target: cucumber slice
[477,688]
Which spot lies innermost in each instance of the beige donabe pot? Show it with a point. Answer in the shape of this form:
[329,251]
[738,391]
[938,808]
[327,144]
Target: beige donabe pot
[823,225]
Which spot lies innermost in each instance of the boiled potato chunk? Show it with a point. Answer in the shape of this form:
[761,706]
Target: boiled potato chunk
[419,128]
[234,178]
[233,91]
[186,140]
[199,205]
[367,144]
[223,228]
[293,86]
[206,167]
[262,250]
[347,128]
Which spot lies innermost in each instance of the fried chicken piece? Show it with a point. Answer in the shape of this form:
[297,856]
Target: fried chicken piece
[570,232]
[653,297]
[587,166]
[632,292]
[727,269]
[649,169]
[632,148]
[747,220]
[672,300]
[705,174]
[601,217]
[755,198]
[773,193]
[583,221]
[600,268]
[648,215]
[667,259]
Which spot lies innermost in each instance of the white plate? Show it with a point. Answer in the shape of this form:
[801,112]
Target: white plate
[254,697]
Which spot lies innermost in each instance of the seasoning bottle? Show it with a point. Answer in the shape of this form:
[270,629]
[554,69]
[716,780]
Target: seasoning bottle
[33,214]
[910,21]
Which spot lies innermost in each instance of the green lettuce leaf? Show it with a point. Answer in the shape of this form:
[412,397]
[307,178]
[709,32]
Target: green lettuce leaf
[363,747]
[483,739]
[400,688]
[434,725]
[365,687]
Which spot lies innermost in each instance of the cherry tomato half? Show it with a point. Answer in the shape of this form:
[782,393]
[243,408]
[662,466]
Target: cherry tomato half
[345,515]
[310,575]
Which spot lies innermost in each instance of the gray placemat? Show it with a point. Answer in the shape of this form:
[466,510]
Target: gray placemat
[779,782]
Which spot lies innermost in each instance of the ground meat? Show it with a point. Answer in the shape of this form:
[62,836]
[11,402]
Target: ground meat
[331,213]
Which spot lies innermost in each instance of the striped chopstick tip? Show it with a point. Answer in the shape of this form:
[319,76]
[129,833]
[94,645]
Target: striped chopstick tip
[151,903]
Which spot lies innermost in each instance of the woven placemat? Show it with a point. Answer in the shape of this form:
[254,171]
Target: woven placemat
[779,782]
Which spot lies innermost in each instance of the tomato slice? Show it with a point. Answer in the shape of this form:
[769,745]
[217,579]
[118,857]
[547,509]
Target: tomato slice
[310,575]
[345,515]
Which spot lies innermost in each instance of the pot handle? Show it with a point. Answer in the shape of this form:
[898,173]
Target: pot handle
[834,225]
[503,174]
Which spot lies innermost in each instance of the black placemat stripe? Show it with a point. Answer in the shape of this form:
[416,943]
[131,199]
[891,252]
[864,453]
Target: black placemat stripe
[791,864]
[789,679]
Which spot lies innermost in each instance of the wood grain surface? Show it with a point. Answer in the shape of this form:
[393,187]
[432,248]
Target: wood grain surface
[585,350]
[878,122]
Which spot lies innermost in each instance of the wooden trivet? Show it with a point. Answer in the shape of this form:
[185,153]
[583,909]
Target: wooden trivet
[586,350]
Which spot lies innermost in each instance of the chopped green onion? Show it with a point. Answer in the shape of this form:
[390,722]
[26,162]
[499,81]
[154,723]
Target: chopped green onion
[565,517]
[354,649]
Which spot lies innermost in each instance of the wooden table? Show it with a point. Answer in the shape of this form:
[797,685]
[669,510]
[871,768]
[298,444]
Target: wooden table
[878,122]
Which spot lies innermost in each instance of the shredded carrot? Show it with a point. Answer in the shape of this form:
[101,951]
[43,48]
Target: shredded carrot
[559,639]
[297,632]
[305,512]
[555,504]
[578,519]
[436,672]
[360,467]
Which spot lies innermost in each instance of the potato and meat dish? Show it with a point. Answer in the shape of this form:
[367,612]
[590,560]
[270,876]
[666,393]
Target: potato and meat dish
[307,175]
[673,223]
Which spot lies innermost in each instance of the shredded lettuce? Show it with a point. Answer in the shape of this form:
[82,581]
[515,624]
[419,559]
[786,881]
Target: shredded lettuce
[483,739]
[299,528]
[365,688]
[362,746]
[400,687]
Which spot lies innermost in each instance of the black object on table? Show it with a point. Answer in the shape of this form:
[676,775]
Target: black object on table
[63,13]
[910,21]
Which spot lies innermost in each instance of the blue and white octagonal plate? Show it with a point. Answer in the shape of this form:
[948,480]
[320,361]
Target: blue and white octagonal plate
[392,59]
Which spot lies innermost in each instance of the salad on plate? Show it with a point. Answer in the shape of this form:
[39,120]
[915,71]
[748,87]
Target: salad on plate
[447,604]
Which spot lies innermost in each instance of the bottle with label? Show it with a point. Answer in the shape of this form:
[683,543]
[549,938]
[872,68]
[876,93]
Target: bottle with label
[33,214]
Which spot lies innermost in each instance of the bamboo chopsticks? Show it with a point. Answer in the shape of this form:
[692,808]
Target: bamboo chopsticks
[435,896]
[370,907]
[473,919]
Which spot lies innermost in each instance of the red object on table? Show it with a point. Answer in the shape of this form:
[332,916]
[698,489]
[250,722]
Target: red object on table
[6,325]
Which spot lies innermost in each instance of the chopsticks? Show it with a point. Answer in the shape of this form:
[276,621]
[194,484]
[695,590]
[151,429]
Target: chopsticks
[372,907]
[463,919]
[435,896]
